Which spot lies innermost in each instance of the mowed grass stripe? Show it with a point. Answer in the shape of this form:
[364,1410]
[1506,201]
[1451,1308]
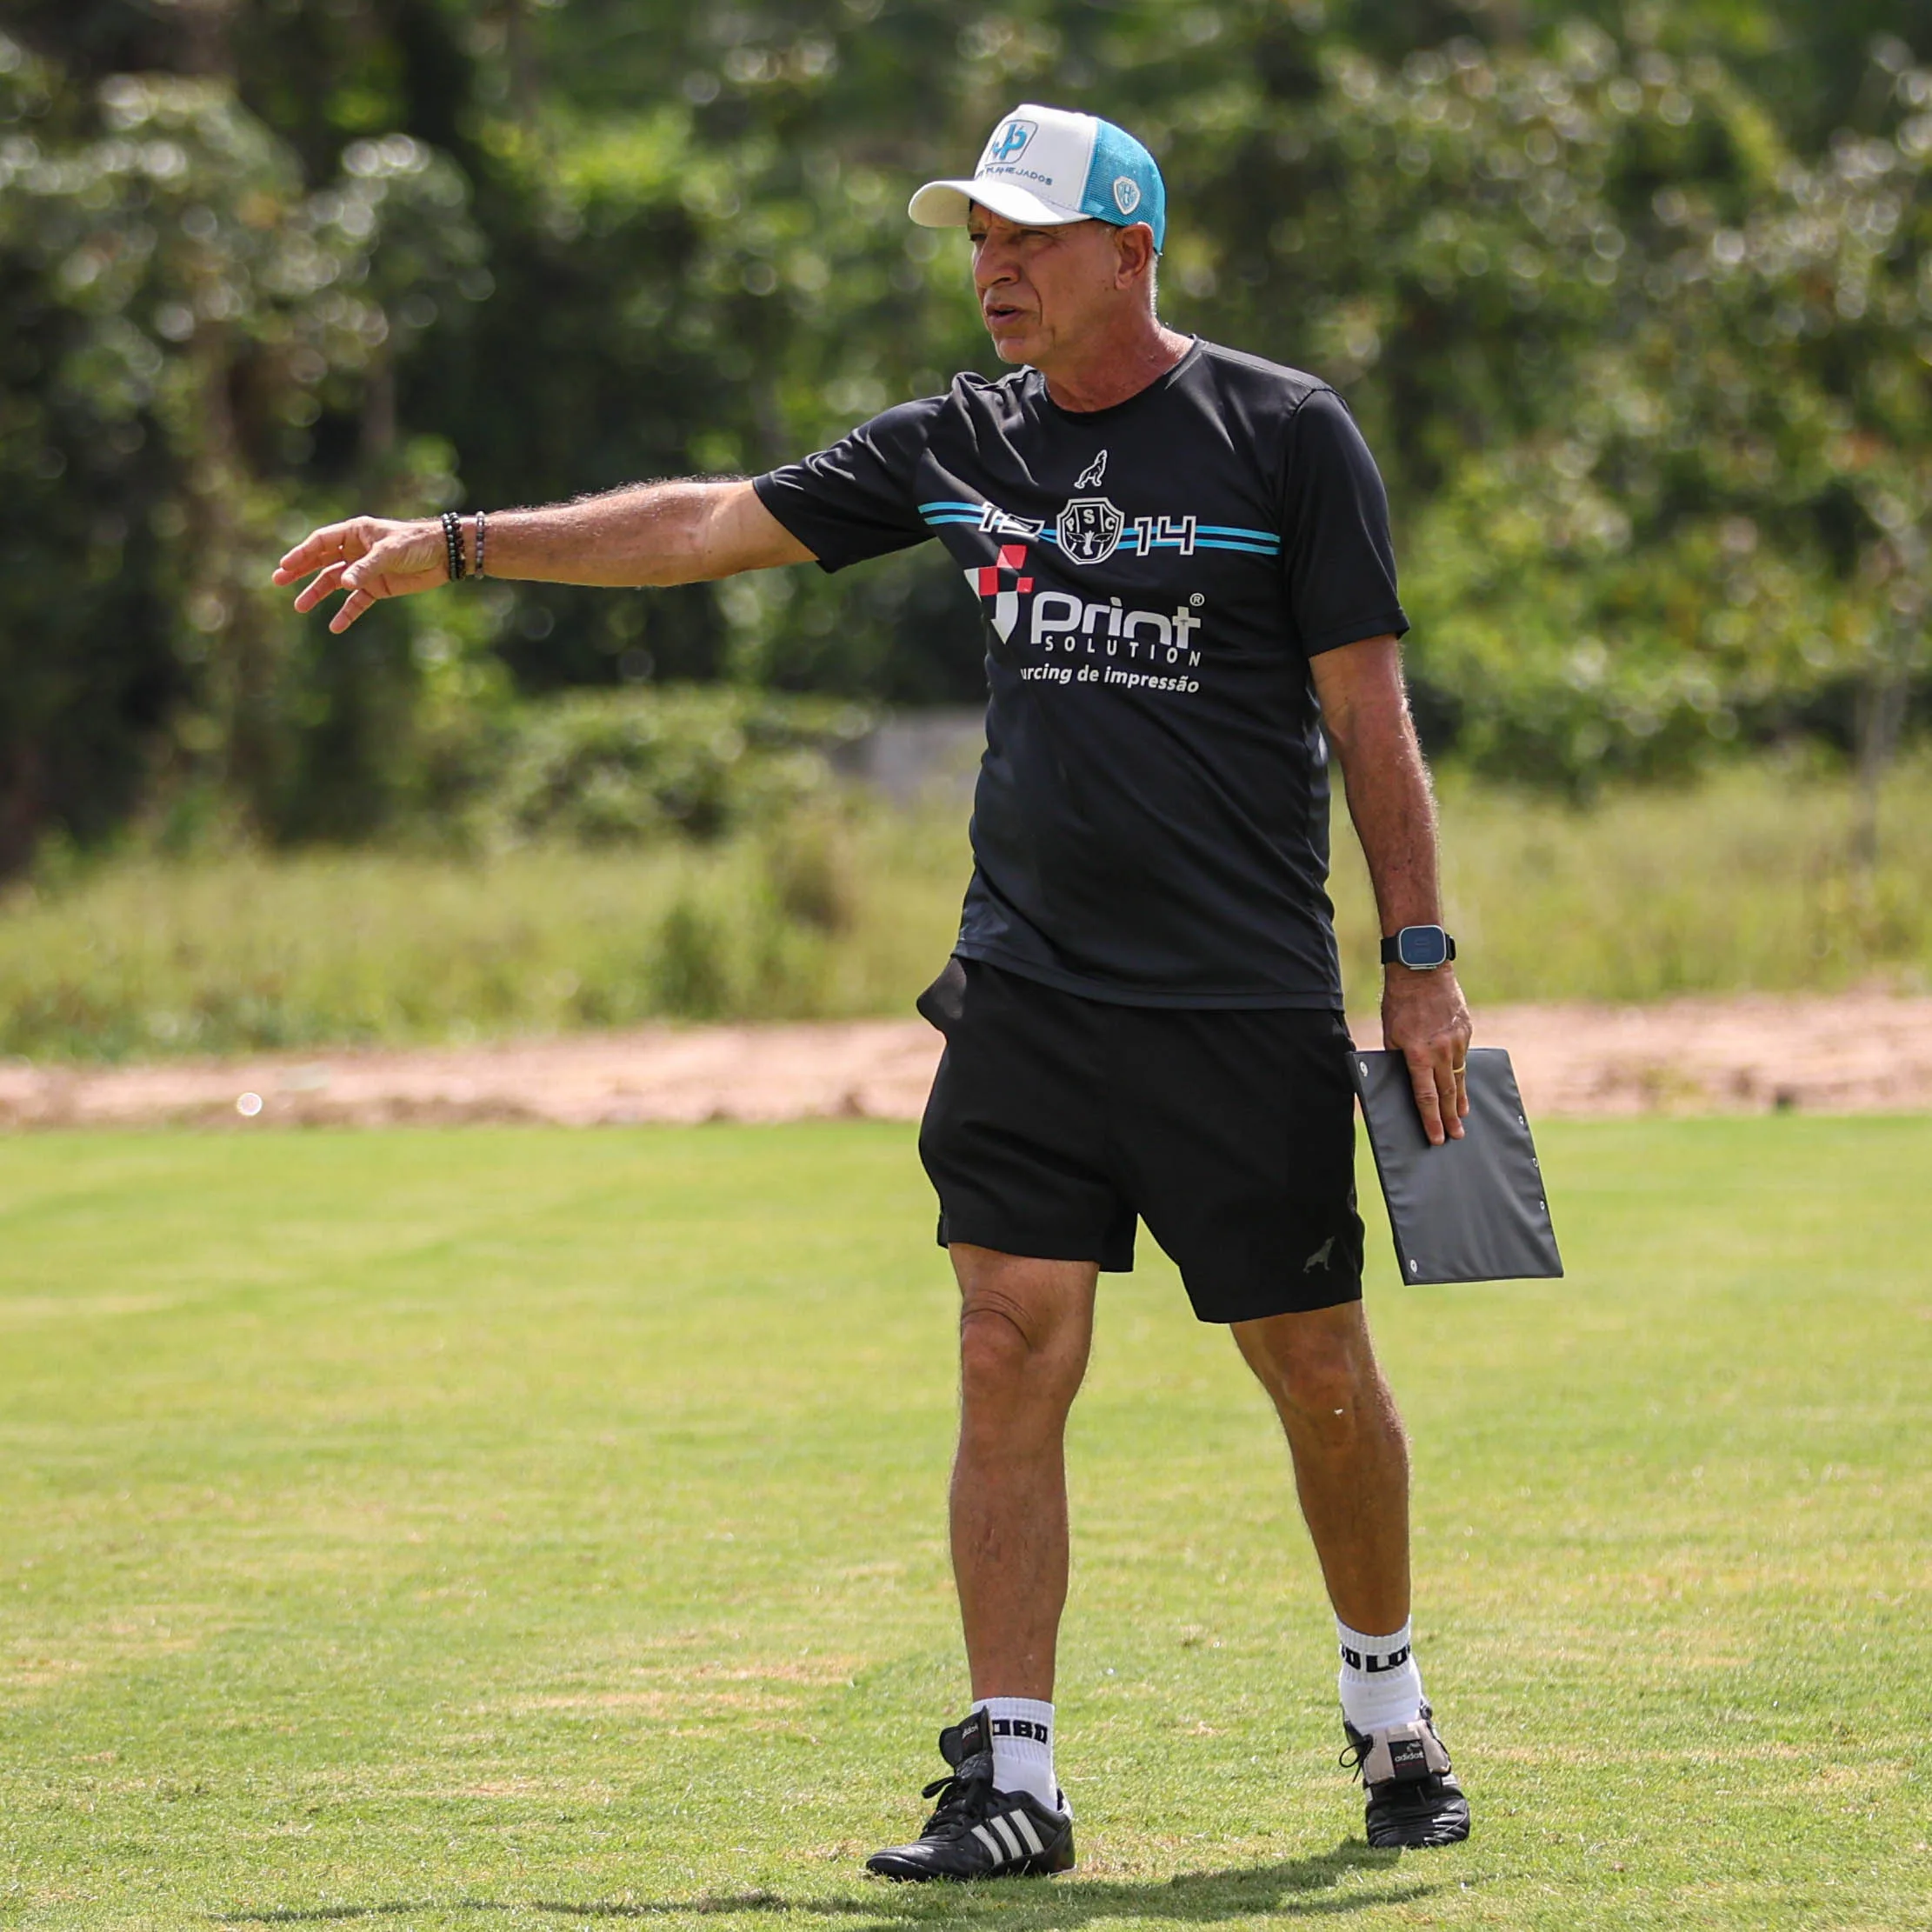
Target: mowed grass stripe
[505,1523]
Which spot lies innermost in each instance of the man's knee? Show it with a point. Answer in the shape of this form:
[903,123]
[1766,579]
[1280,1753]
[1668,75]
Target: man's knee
[1023,1332]
[995,1344]
[1007,1348]
[1019,1316]
[1314,1365]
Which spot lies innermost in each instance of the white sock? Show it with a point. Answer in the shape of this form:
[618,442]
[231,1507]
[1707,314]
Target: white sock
[1022,1747]
[1379,1682]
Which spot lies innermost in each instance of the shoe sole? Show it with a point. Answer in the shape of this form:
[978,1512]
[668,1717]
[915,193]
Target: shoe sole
[906,1872]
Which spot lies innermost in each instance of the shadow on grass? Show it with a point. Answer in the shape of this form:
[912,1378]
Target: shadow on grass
[1296,1888]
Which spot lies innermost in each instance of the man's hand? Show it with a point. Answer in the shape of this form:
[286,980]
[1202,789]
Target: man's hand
[370,557]
[1425,1019]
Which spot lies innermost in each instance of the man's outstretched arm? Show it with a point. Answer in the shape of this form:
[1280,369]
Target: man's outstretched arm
[1365,713]
[647,534]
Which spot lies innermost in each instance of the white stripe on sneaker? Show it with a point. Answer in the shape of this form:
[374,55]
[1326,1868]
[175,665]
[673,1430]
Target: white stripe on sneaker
[991,1843]
[1004,1827]
[1027,1831]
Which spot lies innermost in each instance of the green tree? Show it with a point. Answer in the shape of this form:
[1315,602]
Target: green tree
[1630,299]
[185,311]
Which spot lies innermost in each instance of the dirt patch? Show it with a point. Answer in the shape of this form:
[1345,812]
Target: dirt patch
[1848,1053]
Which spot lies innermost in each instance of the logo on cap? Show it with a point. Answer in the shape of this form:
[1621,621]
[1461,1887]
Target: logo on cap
[1010,142]
[1126,195]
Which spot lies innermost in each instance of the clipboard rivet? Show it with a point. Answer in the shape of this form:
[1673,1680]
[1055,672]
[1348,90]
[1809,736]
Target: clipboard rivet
[1414,1266]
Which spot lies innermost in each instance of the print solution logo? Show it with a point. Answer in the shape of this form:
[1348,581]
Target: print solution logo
[1000,586]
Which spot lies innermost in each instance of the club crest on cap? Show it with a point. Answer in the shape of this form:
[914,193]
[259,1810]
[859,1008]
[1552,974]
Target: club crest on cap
[1126,195]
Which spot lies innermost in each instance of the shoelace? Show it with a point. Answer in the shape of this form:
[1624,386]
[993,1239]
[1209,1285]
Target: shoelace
[1354,1757]
[955,1795]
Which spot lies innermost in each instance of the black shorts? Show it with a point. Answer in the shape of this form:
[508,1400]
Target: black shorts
[1055,1121]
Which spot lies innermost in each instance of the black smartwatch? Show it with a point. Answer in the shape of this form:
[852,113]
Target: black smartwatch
[1422,948]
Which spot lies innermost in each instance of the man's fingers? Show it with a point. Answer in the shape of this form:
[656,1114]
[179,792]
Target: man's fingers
[1422,1077]
[1441,1083]
[1450,1101]
[312,593]
[353,606]
[328,545]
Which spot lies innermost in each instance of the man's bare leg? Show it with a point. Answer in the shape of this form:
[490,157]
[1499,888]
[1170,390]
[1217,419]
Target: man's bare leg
[1351,1471]
[1351,1459]
[1025,1328]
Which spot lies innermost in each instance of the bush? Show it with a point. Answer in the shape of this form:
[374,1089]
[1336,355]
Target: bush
[1745,880]
[622,767]
[691,975]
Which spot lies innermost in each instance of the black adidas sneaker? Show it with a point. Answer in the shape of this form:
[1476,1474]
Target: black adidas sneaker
[978,1832]
[1414,1800]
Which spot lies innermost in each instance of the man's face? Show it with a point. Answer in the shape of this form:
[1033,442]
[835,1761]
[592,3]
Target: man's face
[1042,290]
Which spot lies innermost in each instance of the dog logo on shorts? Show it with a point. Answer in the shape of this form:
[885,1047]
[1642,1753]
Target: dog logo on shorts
[1320,1257]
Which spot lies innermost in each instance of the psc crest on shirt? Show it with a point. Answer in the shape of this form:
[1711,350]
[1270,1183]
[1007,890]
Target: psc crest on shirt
[1089,528]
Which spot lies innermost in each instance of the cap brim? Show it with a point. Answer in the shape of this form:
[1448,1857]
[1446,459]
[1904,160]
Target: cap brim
[949,204]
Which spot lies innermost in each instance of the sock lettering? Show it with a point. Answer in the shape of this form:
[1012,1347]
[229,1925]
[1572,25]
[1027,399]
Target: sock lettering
[1021,1727]
[1369,1662]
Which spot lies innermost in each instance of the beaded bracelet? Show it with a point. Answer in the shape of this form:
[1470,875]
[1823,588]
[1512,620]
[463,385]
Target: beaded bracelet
[452,542]
[479,571]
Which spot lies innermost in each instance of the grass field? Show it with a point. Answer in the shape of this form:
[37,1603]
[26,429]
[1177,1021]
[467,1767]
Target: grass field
[1742,882]
[499,1526]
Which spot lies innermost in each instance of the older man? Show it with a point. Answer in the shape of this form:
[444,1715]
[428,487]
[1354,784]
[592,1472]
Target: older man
[1181,555]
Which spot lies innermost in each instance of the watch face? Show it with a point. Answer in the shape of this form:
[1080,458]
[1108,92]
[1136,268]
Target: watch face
[1420,948]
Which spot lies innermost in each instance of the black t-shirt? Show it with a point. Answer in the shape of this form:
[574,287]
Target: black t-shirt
[1151,821]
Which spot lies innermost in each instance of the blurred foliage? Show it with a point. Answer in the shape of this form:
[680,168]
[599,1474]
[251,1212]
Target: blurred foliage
[1633,301]
[140,954]
[1740,880]
[180,309]
[609,768]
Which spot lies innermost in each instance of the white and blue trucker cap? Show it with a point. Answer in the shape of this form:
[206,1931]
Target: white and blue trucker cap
[1044,167]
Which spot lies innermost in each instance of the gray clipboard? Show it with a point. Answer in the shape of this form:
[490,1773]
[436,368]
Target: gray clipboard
[1472,1209]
